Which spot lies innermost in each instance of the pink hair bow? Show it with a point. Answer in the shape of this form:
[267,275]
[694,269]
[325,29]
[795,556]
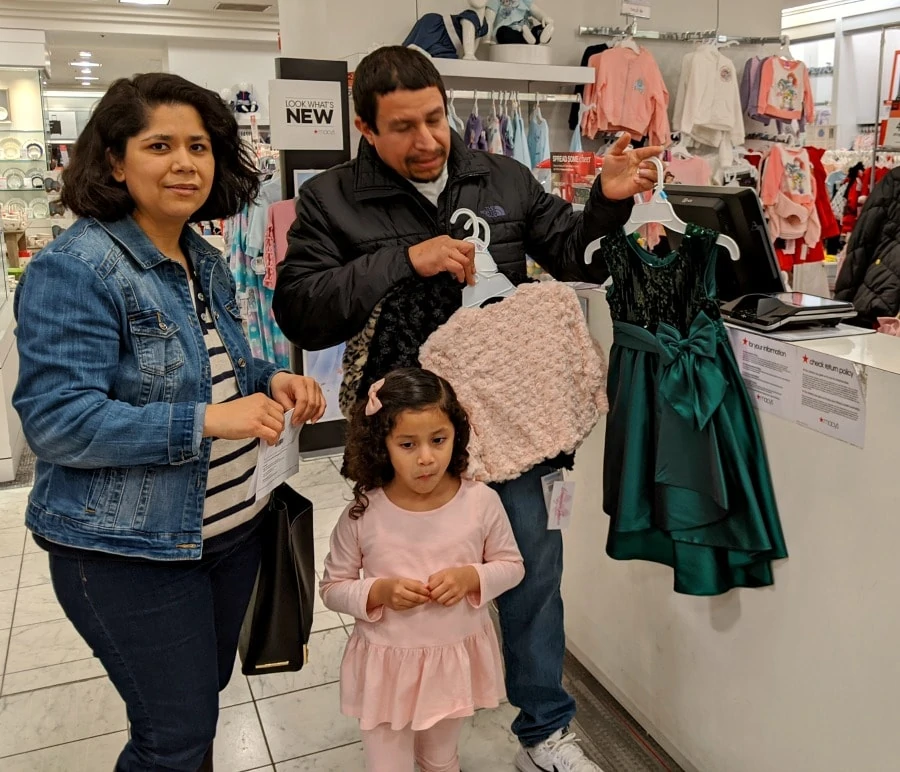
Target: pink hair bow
[374,404]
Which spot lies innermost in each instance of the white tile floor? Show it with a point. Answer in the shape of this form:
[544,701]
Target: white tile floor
[59,712]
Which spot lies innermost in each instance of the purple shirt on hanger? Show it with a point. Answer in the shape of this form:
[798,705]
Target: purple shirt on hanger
[475,137]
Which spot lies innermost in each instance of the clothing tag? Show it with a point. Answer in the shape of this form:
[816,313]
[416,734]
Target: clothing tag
[562,503]
[547,483]
[790,246]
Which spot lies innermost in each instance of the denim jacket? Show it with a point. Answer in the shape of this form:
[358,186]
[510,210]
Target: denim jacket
[114,379]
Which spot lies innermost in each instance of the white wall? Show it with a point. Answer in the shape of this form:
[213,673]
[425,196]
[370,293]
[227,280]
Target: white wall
[24,100]
[218,67]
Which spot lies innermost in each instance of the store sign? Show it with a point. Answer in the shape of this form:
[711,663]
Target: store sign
[640,9]
[306,115]
[817,391]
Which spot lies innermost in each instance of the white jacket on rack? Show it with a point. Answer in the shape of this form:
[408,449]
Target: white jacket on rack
[708,102]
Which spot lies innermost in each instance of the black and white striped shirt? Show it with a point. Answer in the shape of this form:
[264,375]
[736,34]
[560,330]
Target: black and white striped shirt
[229,502]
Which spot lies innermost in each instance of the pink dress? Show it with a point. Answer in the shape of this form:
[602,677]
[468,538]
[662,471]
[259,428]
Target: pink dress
[420,666]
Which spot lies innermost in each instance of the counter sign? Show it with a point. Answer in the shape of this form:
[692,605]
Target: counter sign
[306,115]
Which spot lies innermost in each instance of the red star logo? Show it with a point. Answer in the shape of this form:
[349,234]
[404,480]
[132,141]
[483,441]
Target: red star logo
[746,342]
[758,397]
[805,359]
[821,420]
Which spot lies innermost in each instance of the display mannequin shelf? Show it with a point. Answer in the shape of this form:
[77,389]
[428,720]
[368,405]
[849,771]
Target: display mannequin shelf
[544,73]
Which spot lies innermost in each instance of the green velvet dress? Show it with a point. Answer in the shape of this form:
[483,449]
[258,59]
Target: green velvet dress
[686,481]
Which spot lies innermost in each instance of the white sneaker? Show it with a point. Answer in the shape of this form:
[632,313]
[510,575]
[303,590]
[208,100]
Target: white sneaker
[558,753]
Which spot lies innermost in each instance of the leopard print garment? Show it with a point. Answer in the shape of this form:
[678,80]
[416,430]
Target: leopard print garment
[356,355]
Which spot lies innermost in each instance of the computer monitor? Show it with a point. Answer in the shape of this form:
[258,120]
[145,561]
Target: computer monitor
[735,212]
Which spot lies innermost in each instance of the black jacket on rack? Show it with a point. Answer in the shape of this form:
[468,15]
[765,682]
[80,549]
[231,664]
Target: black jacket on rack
[870,274]
[355,223]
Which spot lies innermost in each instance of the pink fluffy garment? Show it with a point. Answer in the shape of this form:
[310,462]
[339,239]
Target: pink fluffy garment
[529,374]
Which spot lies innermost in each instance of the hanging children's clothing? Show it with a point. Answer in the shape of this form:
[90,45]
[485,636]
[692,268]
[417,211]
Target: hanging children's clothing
[456,123]
[785,90]
[423,665]
[788,194]
[750,82]
[575,113]
[575,145]
[628,94]
[538,139]
[520,139]
[685,478]
[708,102]
[245,241]
[528,373]
[507,129]
[492,134]
[279,220]
[689,171]
[475,136]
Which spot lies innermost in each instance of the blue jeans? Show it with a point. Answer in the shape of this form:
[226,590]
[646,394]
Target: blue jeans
[167,634]
[531,616]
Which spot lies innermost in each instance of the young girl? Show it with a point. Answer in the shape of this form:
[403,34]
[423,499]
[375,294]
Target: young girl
[434,550]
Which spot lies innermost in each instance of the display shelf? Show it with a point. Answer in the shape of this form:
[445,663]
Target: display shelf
[42,132]
[545,73]
[16,191]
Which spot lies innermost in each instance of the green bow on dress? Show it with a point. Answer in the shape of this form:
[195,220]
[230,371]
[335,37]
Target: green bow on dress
[690,380]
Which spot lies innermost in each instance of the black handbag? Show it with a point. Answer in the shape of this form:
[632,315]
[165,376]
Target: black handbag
[279,619]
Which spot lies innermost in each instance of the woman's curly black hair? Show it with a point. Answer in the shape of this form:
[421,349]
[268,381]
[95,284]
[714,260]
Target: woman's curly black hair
[89,189]
[366,459]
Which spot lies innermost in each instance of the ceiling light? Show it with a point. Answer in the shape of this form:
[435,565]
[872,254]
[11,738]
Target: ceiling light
[85,63]
[85,79]
[85,54]
[86,71]
[144,2]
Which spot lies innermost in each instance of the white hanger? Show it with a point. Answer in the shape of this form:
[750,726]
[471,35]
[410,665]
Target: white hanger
[679,149]
[538,115]
[659,210]
[489,282]
[627,42]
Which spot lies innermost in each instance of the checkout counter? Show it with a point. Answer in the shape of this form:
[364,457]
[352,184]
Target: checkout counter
[803,676]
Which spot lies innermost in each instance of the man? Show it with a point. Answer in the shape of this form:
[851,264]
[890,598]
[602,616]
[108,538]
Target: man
[383,218]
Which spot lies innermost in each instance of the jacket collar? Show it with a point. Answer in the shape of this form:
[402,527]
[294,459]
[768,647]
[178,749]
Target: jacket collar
[133,241]
[375,179]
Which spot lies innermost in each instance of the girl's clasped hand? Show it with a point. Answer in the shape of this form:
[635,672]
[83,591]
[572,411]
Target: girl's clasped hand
[447,587]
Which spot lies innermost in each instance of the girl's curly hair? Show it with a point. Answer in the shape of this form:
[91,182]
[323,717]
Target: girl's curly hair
[366,459]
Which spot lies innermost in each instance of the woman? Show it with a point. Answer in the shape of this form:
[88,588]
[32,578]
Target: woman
[144,406]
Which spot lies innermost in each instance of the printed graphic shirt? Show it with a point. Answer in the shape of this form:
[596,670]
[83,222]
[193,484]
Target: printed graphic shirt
[785,91]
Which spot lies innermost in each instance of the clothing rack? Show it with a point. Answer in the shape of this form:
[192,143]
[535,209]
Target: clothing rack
[502,96]
[680,37]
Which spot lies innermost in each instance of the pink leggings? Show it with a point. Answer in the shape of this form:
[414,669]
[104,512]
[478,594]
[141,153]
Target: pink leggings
[396,750]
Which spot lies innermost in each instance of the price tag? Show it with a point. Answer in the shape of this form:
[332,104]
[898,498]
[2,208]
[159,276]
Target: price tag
[562,503]
[547,483]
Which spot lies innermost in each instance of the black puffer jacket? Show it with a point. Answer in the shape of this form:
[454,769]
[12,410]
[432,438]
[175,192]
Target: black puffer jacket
[355,222]
[870,274]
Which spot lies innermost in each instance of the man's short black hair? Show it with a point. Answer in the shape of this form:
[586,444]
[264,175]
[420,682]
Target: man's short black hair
[89,189]
[387,69]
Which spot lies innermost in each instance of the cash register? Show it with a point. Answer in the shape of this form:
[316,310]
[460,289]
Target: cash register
[786,310]
[750,290]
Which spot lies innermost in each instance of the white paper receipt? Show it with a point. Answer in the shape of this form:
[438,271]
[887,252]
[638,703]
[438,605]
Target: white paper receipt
[276,463]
